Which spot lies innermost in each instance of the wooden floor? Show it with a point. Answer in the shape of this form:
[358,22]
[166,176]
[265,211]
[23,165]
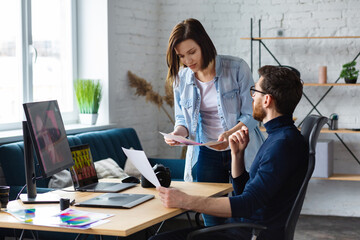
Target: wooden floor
[327,228]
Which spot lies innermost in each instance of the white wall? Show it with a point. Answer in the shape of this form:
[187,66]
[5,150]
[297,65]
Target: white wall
[133,46]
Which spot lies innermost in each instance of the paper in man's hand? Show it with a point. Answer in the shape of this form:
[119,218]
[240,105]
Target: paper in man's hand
[141,162]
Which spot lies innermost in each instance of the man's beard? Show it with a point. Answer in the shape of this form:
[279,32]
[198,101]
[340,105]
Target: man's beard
[258,112]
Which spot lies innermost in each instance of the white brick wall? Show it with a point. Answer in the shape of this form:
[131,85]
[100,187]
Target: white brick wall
[133,47]
[139,31]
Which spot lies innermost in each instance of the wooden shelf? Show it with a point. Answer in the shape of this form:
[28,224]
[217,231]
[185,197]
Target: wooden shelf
[340,130]
[343,177]
[271,38]
[325,130]
[331,84]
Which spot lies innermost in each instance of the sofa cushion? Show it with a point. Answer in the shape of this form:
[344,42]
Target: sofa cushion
[61,180]
[131,170]
[108,168]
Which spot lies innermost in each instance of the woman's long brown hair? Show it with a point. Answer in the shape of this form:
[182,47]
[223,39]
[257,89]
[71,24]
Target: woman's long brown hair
[187,29]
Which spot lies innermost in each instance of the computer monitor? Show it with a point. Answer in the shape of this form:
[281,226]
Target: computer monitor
[44,130]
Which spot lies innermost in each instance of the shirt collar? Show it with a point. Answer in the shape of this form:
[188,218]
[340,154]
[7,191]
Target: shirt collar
[218,67]
[279,122]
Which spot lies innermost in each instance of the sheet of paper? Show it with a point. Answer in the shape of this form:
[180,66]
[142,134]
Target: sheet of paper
[69,218]
[188,142]
[140,161]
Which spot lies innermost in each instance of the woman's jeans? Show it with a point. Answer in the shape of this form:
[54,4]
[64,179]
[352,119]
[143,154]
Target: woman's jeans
[213,166]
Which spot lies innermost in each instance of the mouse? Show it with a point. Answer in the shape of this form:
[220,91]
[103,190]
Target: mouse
[130,179]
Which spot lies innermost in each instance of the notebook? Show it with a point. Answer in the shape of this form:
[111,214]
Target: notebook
[116,200]
[84,175]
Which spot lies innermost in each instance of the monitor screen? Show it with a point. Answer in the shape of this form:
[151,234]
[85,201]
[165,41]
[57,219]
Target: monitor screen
[48,136]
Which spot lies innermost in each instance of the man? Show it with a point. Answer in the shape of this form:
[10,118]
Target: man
[266,194]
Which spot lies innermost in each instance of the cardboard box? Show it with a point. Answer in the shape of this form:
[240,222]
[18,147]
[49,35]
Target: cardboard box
[324,157]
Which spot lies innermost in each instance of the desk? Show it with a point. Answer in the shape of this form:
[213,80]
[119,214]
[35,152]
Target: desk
[126,221]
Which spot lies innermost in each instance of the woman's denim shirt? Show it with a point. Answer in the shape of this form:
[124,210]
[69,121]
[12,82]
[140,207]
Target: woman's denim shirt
[233,80]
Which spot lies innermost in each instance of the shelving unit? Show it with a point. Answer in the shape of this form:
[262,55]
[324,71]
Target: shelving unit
[343,177]
[314,106]
[325,130]
[331,84]
[274,38]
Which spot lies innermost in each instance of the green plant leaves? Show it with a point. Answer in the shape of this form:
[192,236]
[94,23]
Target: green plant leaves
[349,71]
[88,95]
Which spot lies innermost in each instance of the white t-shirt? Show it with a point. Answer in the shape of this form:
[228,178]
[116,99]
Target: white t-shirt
[210,120]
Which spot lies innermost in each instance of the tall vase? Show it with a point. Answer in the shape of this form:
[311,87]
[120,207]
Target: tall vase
[88,118]
[322,74]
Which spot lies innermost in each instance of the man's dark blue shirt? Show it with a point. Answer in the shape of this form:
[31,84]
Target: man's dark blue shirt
[266,194]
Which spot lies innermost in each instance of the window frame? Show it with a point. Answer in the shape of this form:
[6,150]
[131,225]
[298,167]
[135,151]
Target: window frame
[27,54]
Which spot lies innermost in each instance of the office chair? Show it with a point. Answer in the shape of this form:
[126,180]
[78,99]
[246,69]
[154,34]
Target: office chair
[310,130]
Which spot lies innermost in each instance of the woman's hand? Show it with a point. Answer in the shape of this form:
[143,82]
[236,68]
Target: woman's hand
[171,142]
[179,131]
[223,137]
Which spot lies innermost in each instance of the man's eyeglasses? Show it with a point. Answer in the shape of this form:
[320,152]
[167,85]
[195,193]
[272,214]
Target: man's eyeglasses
[253,90]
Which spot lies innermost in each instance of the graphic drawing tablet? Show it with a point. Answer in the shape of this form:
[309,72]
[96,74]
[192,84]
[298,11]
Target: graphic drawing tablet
[116,200]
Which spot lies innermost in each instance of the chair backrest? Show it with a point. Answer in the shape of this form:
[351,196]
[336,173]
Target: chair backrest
[310,130]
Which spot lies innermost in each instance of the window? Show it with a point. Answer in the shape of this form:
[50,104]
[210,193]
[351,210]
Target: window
[36,57]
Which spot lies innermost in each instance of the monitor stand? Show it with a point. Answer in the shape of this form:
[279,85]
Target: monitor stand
[32,196]
[40,198]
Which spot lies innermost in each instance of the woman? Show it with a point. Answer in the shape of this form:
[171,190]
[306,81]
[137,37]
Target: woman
[212,100]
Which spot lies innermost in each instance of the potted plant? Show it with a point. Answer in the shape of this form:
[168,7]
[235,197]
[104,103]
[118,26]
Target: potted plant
[88,96]
[349,73]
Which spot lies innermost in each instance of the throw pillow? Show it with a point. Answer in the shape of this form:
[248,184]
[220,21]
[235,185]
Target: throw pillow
[61,180]
[108,168]
[130,169]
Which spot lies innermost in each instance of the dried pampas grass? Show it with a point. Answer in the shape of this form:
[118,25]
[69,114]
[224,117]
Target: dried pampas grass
[143,88]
